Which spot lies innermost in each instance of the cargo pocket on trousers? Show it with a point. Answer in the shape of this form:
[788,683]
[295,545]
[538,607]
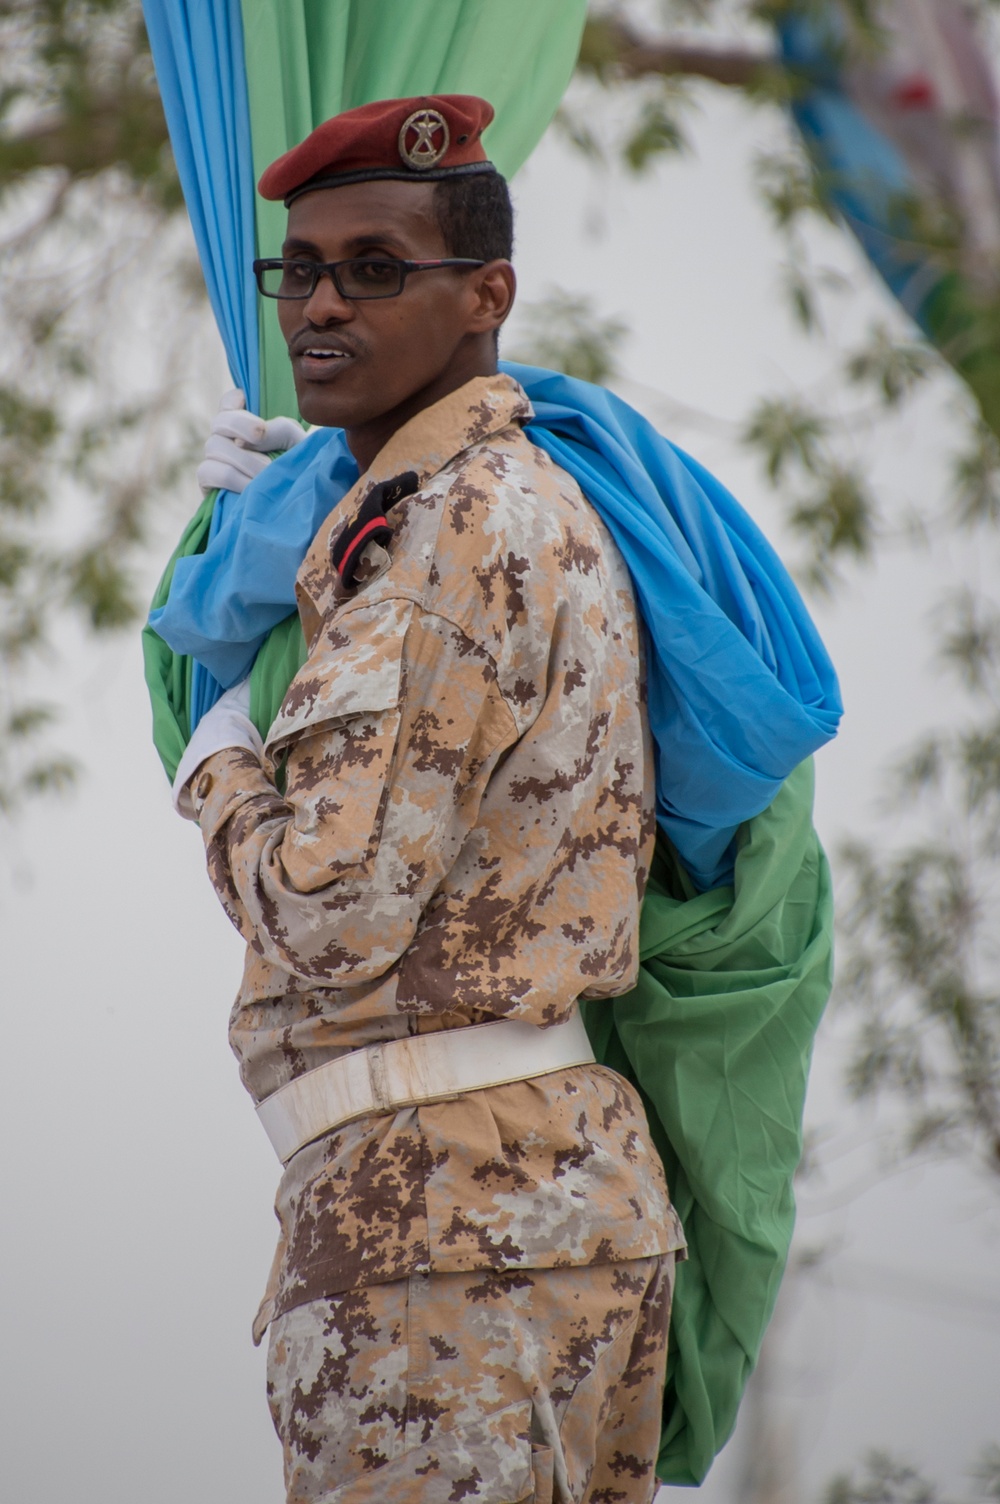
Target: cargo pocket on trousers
[489,1461]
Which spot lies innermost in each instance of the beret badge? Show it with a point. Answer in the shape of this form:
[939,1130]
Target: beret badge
[423,136]
[423,139]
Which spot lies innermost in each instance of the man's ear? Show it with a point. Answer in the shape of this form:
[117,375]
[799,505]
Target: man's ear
[495,286]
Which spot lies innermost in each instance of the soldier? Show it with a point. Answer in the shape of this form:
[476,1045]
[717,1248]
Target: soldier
[442,844]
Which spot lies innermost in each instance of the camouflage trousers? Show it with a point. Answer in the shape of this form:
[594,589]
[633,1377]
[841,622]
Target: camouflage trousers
[496,1387]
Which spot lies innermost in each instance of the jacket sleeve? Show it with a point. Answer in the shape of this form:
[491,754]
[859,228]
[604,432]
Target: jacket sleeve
[391,730]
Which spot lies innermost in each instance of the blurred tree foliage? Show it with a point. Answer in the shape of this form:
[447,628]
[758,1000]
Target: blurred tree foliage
[920,966]
[94,250]
[94,426]
[886,1481]
[568,334]
[101,307]
[919,970]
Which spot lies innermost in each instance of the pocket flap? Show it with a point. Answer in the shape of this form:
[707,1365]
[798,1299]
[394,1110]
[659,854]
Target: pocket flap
[355,668]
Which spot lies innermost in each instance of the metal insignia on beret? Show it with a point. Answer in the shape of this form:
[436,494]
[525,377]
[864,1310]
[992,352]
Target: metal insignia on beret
[423,139]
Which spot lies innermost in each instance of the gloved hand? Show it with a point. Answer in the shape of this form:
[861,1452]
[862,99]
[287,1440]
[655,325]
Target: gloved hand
[239,444]
[227,724]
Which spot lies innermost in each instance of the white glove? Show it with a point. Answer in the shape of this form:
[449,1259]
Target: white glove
[227,724]
[240,443]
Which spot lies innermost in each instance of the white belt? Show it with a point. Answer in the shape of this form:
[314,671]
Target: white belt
[419,1068]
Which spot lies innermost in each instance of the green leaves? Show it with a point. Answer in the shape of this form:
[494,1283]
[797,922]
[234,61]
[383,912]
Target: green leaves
[969,640]
[920,965]
[885,1482]
[28,430]
[829,506]
[788,187]
[90,435]
[806,450]
[888,1481]
[566,332]
[786,432]
[976,494]
[103,588]
[977,755]
[77,94]
[33,423]
[917,925]
[986,1473]
[21,772]
[893,367]
[656,131]
[649,128]
[839,518]
[920,918]
[600,47]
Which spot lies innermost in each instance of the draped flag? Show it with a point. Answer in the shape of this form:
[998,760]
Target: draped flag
[903,126]
[718,1033]
[244,82]
[740,686]
[241,83]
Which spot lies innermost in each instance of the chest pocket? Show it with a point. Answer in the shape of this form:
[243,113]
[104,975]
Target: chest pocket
[337,731]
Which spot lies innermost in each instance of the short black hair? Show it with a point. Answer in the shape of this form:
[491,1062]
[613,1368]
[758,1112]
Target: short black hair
[476,216]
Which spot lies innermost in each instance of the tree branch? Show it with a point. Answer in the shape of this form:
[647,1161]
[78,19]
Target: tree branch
[734,67]
[610,43]
[121,129]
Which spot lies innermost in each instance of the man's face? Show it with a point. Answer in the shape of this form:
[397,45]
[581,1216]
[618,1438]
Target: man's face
[357,362]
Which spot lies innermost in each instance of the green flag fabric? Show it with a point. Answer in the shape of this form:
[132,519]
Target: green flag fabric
[309,59]
[718,1037]
[168,675]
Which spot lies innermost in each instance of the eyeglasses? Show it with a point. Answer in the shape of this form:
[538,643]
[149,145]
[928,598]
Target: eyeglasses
[365,277]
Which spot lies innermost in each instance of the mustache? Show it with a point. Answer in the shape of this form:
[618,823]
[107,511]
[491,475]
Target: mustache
[317,339]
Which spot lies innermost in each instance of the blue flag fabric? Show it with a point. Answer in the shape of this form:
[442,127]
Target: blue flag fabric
[741,689]
[198,53]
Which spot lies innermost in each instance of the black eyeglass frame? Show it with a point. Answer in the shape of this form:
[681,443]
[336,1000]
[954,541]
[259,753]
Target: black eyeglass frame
[330,269]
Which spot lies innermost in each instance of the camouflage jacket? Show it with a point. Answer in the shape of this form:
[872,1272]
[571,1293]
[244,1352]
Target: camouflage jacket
[464,834]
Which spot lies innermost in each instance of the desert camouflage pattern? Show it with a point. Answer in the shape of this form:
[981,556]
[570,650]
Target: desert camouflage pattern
[492,1387]
[464,834]
[469,801]
[555,1171]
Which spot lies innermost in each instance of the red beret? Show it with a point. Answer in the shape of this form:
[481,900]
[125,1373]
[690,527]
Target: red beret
[435,136]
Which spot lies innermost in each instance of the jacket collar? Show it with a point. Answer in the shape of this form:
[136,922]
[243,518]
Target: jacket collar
[476,411]
[428,442]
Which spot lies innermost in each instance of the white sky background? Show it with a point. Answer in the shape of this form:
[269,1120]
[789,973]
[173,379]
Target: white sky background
[136,1226]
